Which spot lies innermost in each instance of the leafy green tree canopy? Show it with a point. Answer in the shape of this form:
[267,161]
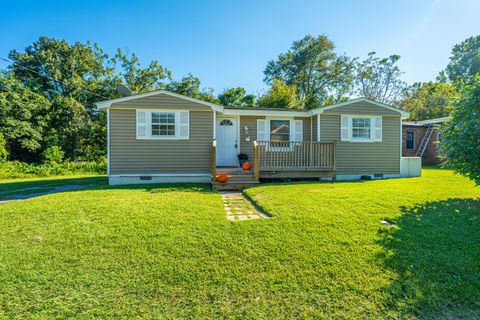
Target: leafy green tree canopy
[24,116]
[140,79]
[465,60]
[280,95]
[429,100]
[72,77]
[319,74]
[3,151]
[190,86]
[461,136]
[236,97]
[379,79]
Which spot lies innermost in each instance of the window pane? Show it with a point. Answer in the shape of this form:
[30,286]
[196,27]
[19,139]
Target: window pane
[410,140]
[155,130]
[279,130]
[361,128]
[163,124]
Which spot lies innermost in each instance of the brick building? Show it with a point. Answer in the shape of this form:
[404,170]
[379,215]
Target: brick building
[422,138]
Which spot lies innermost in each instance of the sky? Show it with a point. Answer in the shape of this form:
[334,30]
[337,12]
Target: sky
[228,43]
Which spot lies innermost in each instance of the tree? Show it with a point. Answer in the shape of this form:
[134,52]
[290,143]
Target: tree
[460,137]
[429,100]
[138,79]
[236,97]
[3,151]
[280,95]
[53,155]
[379,79]
[465,60]
[190,86]
[24,117]
[73,77]
[311,64]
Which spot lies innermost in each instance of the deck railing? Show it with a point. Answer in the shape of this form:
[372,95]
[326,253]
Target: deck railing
[214,160]
[294,155]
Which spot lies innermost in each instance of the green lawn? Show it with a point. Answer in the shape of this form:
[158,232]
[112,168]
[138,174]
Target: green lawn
[169,251]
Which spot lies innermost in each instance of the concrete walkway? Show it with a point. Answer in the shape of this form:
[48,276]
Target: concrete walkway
[237,207]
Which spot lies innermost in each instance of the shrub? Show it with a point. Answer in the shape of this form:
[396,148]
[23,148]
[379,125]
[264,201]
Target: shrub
[460,137]
[3,151]
[53,155]
[17,169]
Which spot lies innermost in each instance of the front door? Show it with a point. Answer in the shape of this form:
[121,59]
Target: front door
[227,144]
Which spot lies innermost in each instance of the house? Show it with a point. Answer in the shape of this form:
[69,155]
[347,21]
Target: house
[422,139]
[161,136]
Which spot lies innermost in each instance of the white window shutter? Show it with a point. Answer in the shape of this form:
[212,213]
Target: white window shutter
[297,130]
[141,124]
[345,128]
[378,128]
[184,125]
[261,130]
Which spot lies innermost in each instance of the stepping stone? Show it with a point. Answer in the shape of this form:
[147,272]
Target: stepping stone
[238,208]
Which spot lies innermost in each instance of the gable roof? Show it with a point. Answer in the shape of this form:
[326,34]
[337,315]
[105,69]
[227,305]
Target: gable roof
[380,104]
[428,121]
[250,110]
[108,103]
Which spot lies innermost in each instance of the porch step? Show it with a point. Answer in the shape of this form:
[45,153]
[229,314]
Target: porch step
[234,185]
[233,171]
[238,179]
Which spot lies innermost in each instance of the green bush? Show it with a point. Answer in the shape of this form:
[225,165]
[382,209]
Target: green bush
[3,151]
[17,169]
[53,155]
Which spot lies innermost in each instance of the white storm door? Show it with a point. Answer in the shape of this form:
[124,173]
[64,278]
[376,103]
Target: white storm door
[227,142]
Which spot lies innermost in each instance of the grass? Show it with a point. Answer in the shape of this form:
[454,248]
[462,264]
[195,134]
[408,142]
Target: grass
[169,252]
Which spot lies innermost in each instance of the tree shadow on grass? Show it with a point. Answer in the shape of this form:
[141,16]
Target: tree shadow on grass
[434,250]
[167,187]
[21,190]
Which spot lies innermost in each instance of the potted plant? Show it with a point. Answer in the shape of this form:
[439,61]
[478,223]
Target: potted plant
[242,158]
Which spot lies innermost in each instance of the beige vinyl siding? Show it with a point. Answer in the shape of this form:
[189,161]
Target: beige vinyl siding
[251,123]
[162,101]
[365,157]
[131,156]
[361,108]
[307,128]
[314,128]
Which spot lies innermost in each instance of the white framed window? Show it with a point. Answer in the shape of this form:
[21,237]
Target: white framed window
[360,128]
[162,125]
[279,129]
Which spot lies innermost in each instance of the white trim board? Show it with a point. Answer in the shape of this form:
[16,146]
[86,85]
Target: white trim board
[108,142]
[108,103]
[160,175]
[267,113]
[119,180]
[346,103]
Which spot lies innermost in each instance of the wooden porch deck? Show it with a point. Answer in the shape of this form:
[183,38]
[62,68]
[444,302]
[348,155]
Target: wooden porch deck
[288,159]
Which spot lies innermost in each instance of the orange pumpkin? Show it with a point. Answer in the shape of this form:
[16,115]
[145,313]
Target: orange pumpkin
[222,178]
[246,166]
